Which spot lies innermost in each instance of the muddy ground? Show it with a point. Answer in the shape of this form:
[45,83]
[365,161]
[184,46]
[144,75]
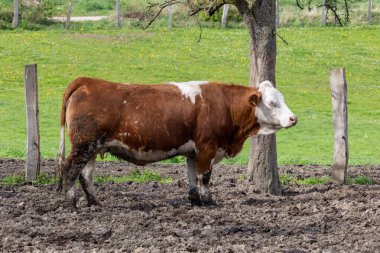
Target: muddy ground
[155,217]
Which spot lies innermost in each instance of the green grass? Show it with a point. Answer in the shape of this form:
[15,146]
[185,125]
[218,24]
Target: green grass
[11,180]
[313,180]
[158,55]
[134,176]
[286,179]
[360,180]
[42,179]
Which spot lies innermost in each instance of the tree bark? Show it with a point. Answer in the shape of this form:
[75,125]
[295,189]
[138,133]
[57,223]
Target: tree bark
[16,6]
[260,19]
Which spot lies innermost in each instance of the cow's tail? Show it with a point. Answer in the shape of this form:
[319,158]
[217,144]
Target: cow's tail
[60,161]
[60,158]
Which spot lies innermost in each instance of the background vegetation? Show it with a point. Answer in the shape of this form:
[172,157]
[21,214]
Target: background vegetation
[35,16]
[159,55]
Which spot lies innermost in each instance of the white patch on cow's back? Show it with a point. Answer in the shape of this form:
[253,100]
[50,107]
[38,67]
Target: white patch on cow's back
[153,155]
[190,89]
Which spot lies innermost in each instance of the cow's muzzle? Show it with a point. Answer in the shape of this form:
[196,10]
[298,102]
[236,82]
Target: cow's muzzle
[292,121]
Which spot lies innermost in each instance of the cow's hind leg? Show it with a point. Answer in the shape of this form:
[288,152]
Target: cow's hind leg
[86,181]
[194,196]
[77,160]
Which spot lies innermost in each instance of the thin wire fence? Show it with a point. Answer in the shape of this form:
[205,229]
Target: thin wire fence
[21,89]
[326,140]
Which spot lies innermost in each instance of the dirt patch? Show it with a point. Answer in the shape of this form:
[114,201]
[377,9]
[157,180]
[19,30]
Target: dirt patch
[155,217]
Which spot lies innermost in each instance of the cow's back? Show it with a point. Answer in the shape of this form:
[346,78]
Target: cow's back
[143,117]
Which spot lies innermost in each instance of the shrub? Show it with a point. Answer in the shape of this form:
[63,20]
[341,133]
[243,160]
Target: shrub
[233,15]
[42,12]
[94,5]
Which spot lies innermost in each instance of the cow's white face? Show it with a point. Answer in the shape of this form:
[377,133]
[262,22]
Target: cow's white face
[272,113]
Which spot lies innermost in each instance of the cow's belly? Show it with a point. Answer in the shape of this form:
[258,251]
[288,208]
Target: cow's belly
[142,157]
[219,156]
[222,153]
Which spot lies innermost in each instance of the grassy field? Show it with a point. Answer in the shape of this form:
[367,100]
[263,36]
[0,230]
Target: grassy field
[158,55]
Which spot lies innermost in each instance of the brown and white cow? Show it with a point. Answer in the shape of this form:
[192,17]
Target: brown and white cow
[203,121]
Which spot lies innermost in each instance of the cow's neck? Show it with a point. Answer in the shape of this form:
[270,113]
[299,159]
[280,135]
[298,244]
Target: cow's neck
[245,124]
[244,121]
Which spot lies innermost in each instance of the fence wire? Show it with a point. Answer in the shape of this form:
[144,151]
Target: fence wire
[20,148]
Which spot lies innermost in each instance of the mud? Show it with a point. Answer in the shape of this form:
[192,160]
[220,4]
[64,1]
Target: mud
[155,217]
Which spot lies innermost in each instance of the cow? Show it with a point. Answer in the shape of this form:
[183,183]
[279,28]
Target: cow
[203,121]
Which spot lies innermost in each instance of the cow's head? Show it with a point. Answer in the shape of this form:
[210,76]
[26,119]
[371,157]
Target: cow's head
[271,111]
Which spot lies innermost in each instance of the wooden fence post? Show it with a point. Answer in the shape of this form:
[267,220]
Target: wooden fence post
[118,22]
[170,21]
[32,166]
[277,13]
[324,12]
[68,18]
[369,11]
[339,110]
[16,8]
[225,14]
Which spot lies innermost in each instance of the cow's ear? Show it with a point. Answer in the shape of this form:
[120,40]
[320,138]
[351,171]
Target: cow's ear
[255,98]
[265,84]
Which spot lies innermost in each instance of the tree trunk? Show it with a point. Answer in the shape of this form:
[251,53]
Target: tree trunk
[260,19]
[15,13]
[68,18]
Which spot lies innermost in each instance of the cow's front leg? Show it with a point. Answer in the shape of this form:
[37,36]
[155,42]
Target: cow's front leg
[204,170]
[194,197]
[204,187]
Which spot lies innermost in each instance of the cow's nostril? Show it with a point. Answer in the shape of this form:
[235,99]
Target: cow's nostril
[293,119]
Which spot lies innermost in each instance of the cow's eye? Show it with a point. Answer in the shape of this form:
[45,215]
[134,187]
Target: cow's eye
[273,104]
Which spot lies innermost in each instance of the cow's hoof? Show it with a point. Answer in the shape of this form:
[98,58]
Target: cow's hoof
[209,203]
[94,203]
[73,208]
[194,197]
[195,202]
[207,200]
